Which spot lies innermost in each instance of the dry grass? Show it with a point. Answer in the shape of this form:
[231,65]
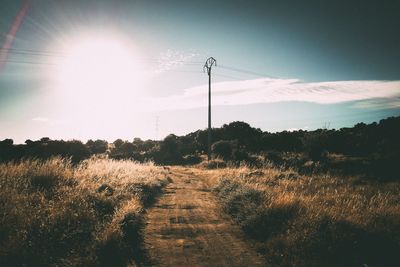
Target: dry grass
[319,220]
[57,214]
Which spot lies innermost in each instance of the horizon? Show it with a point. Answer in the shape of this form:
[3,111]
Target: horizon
[122,69]
[327,127]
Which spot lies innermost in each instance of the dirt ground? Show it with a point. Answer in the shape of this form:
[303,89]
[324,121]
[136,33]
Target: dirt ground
[186,227]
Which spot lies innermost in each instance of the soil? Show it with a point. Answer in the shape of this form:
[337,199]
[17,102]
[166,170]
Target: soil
[186,227]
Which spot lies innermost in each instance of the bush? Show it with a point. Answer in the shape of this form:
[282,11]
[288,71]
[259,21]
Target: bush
[223,149]
[240,155]
[43,182]
[385,167]
[315,145]
[247,207]
[192,159]
[214,164]
[324,241]
[169,152]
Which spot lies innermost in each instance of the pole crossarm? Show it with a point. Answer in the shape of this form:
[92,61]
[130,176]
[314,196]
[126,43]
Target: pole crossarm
[208,65]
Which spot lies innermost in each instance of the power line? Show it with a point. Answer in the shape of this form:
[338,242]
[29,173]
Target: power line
[173,64]
[179,62]
[247,71]
[28,62]
[187,71]
[228,76]
[283,90]
[30,51]
[17,61]
[47,53]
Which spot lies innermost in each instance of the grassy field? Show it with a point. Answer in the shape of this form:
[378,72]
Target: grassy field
[56,214]
[315,220]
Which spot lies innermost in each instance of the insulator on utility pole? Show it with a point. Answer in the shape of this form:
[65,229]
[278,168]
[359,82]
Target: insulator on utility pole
[207,67]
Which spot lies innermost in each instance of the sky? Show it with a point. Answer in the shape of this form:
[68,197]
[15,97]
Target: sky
[124,69]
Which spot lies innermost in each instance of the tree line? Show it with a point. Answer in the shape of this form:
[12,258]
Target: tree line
[235,142]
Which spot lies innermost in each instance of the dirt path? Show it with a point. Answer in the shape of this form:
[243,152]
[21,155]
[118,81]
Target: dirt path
[186,228]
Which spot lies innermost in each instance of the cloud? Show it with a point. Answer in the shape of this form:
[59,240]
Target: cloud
[172,59]
[379,103]
[377,94]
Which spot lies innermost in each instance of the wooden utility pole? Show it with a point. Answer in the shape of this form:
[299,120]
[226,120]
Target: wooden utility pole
[207,67]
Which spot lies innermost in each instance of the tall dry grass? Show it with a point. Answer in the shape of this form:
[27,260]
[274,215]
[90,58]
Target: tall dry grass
[56,214]
[318,220]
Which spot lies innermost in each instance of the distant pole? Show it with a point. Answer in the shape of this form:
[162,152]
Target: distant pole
[157,125]
[208,66]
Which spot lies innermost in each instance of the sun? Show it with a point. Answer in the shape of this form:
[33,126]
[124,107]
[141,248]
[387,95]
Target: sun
[98,84]
[98,67]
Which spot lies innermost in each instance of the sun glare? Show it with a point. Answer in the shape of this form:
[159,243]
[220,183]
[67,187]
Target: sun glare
[98,67]
[97,86]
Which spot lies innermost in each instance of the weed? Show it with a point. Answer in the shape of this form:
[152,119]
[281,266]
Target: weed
[58,214]
[313,220]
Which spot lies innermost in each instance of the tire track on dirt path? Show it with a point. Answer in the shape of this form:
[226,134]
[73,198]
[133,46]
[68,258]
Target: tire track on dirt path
[186,228]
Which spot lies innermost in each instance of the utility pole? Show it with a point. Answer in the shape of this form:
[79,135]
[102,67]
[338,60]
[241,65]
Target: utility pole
[157,126]
[208,66]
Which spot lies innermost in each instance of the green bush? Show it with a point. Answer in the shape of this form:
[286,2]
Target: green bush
[223,149]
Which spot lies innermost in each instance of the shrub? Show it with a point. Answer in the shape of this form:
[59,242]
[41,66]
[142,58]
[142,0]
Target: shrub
[192,159]
[385,167]
[214,164]
[43,182]
[223,149]
[247,207]
[315,145]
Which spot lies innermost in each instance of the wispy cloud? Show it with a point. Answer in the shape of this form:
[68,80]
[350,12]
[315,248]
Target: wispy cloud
[171,59]
[379,103]
[383,94]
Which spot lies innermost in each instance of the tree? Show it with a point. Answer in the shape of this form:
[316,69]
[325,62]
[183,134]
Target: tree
[45,140]
[242,132]
[117,143]
[169,152]
[127,149]
[6,142]
[98,146]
